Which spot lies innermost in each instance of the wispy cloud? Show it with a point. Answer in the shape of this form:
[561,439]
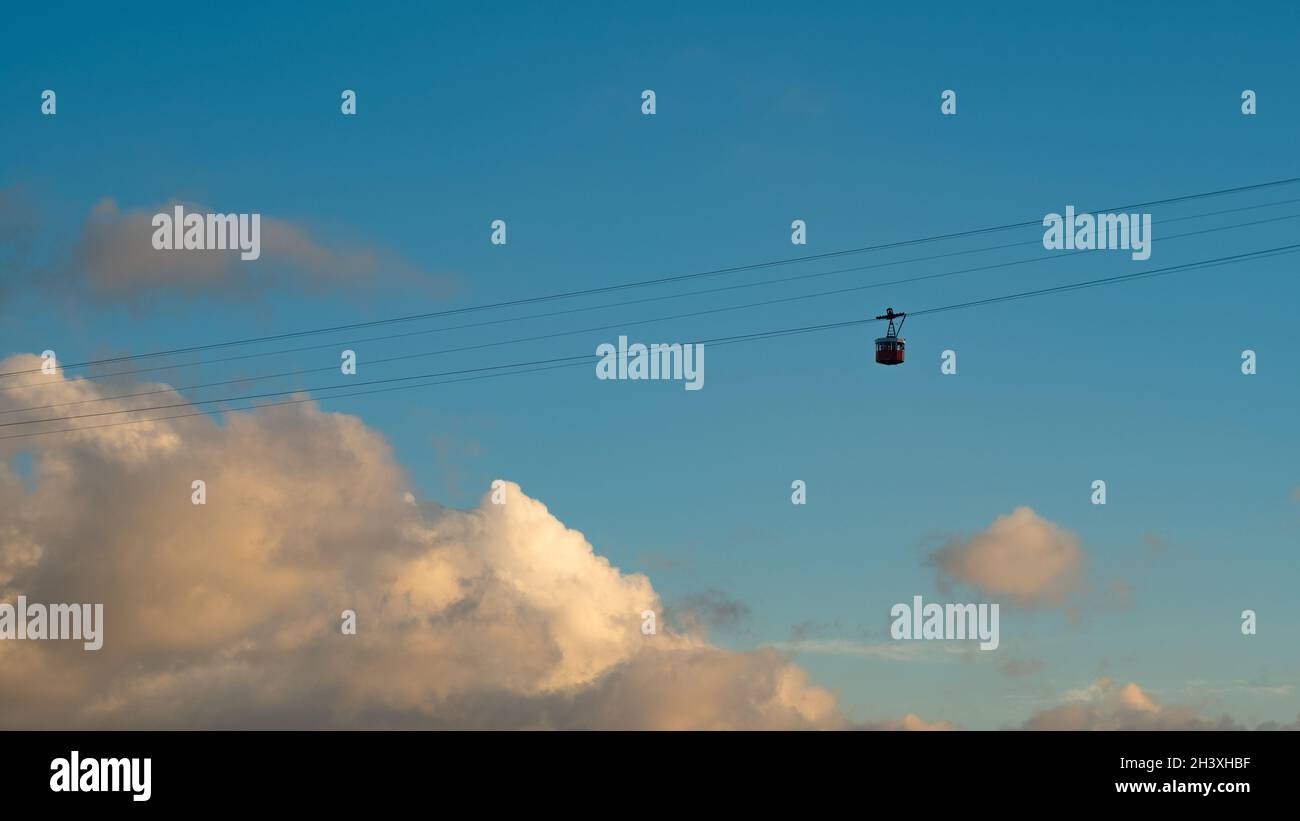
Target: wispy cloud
[112,258]
[889,650]
[707,610]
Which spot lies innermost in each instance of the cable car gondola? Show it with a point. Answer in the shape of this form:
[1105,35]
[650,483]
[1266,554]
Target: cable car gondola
[891,347]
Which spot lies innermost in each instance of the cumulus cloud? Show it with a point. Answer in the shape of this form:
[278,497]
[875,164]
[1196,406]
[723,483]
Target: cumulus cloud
[114,259]
[227,615]
[1106,705]
[1022,558]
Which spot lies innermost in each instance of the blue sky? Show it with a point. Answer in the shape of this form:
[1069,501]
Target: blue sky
[827,114]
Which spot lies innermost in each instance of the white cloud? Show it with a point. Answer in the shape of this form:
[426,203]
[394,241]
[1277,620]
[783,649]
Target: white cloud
[1021,558]
[1107,705]
[228,614]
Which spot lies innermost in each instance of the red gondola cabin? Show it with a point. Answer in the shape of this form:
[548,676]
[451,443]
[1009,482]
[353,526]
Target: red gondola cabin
[890,350]
[891,347]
